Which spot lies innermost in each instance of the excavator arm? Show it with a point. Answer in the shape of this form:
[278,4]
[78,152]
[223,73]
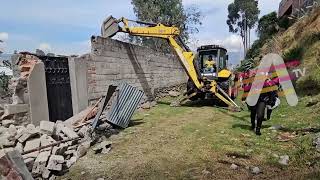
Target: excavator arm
[111,26]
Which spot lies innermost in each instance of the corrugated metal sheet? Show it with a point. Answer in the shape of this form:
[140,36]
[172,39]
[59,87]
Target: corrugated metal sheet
[124,105]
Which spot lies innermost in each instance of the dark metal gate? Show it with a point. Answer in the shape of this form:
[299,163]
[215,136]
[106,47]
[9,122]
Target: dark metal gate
[58,87]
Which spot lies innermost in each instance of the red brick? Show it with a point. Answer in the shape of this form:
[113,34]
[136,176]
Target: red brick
[5,165]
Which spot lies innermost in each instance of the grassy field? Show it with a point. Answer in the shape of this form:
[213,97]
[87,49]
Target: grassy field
[201,142]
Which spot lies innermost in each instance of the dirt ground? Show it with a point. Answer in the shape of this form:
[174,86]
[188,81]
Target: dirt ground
[201,142]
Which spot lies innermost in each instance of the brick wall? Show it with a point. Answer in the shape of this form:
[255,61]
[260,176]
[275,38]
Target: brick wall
[112,61]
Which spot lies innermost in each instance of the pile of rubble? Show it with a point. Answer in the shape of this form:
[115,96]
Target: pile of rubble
[50,149]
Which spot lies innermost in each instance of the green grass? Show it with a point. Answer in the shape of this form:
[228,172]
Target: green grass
[182,142]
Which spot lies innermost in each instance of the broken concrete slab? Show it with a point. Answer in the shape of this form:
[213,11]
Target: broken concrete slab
[27,133]
[69,132]
[55,162]
[46,173]
[104,147]
[32,144]
[29,163]
[10,109]
[174,93]
[40,163]
[6,123]
[19,147]
[47,127]
[46,140]
[71,161]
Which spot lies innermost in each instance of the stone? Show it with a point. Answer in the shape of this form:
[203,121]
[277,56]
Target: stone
[46,140]
[46,173]
[174,93]
[100,179]
[84,132]
[153,103]
[103,147]
[69,132]
[47,127]
[71,161]
[60,150]
[27,133]
[10,109]
[104,127]
[234,167]
[146,105]
[55,162]
[29,163]
[52,177]
[256,170]
[32,144]
[5,142]
[83,149]
[40,163]
[7,123]
[284,160]
[19,147]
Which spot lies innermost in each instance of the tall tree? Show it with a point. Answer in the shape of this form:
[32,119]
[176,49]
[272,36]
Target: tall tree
[268,26]
[243,16]
[169,12]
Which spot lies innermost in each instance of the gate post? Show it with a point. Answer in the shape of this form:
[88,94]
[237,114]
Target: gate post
[79,83]
[37,90]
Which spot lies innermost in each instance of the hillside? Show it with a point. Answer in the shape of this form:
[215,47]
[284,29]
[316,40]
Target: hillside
[301,42]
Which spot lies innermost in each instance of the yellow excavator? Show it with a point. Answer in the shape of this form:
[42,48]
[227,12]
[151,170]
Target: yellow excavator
[202,84]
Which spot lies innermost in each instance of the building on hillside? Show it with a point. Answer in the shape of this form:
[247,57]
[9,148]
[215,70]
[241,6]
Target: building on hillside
[290,7]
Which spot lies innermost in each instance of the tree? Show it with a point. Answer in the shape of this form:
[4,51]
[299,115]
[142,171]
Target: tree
[168,12]
[267,26]
[242,17]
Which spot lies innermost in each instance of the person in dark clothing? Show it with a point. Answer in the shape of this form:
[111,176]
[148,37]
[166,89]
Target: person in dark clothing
[267,101]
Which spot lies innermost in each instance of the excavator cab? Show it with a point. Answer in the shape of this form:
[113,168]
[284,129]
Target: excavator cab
[219,57]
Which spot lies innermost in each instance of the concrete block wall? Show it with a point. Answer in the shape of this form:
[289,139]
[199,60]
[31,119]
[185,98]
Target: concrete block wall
[112,61]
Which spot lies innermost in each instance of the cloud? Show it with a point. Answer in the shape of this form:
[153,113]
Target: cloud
[4,36]
[45,47]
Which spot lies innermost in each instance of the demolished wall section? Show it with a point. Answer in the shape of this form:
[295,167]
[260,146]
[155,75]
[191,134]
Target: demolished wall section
[112,61]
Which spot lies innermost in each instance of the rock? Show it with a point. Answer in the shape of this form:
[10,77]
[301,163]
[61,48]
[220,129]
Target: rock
[234,166]
[104,127]
[284,160]
[256,170]
[7,123]
[29,163]
[85,132]
[52,177]
[174,93]
[40,163]
[71,161]
[32,144]
[46,173]
[19,147]
[69,132]
[46,140]
[5,141]
[146,105]
[27,133]
[47,127]
[83,149]
[100,179]
[153,103]
[104,147]
[276,127]
[55,162]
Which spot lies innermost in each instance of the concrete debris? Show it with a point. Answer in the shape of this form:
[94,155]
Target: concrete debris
[234,167]
[284,160]
[48,149]
[256,170]
[55,162]
[47,127]
[174,93]
[104,147]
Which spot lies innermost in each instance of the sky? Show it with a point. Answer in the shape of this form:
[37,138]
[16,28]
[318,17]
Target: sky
[65,26]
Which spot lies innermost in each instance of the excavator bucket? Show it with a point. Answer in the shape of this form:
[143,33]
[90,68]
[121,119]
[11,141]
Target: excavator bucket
[110,27]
